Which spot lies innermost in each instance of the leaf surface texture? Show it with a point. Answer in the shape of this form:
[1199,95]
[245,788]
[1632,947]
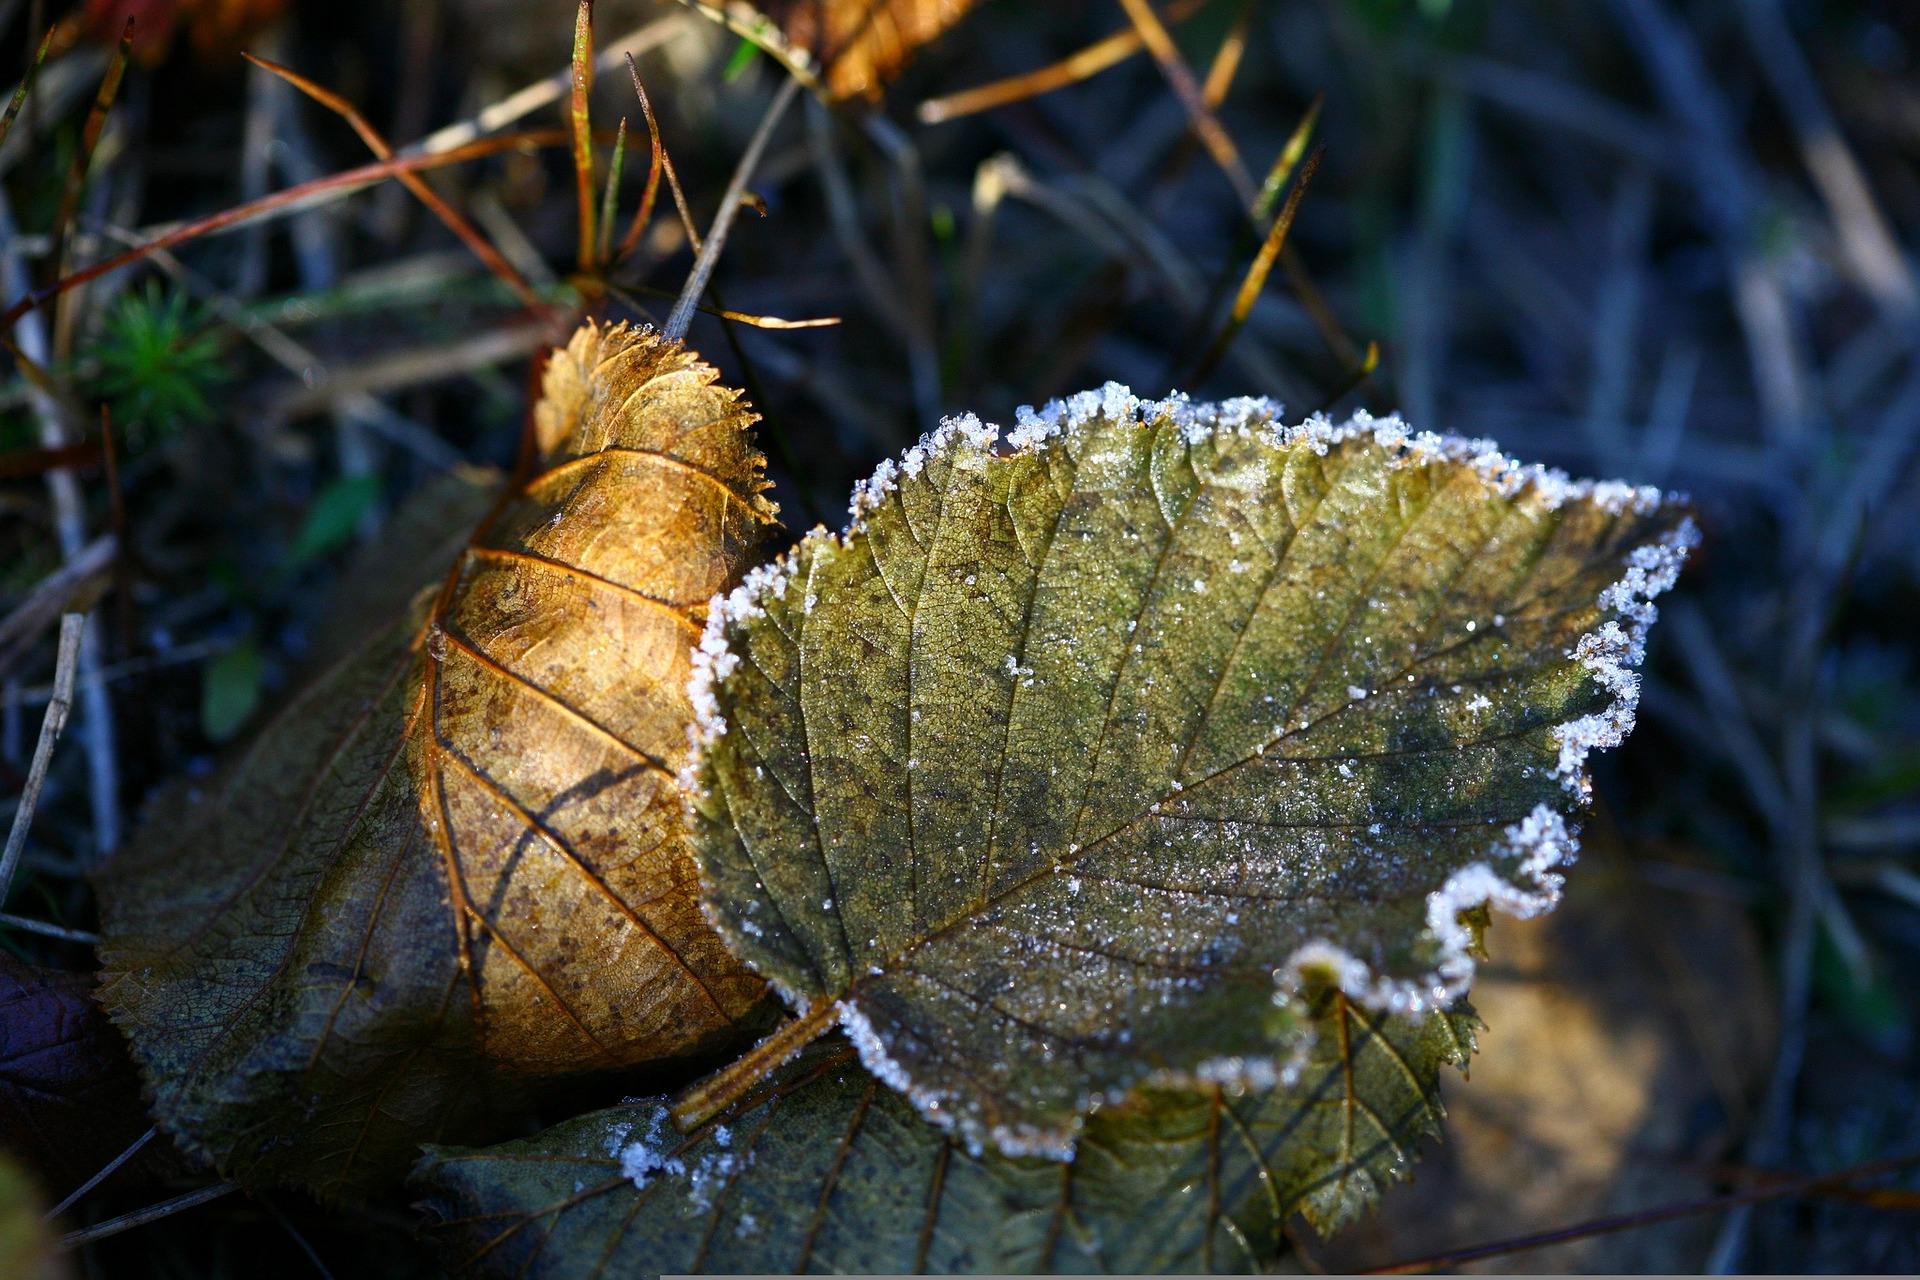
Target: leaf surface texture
[828,1170]
[456,865]
[1062,768]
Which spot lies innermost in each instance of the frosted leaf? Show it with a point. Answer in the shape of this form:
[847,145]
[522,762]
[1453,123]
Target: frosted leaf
[828,1170]
[1303,773]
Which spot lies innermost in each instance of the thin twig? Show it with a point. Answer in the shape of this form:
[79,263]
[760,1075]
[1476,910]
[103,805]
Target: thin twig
[73,1197]
[66,668]
[1206,125]
[1257,273]
[682,314]
[293,199]
[376,143]
[27,924]
[643,216]
[141,1217]
[1812,1185]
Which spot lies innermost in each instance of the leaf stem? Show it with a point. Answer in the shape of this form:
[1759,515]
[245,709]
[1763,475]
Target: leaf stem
[707,1099]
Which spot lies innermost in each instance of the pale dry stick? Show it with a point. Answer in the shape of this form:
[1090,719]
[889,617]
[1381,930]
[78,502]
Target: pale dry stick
[543,93]
[1865,240]
[141,1217]
[73,1197]
[66,668]
[55,594]
[1090,61]
[1206,125]
[682,315]
[414,368]
[70,526]
[41,927]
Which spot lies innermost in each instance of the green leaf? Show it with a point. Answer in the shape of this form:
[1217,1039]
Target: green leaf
[230,689]
[1067,766]
[332,519]
[828,1170]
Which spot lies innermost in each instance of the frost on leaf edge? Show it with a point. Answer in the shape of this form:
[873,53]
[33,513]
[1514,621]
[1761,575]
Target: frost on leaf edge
[1533,849]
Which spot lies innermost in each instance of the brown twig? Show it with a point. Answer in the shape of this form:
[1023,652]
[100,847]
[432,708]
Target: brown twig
[1206,125]
[1811,1185]
[227,219]
[655,166]
[376,143]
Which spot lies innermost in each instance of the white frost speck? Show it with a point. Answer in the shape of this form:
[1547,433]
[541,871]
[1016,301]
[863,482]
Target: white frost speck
[642,1158]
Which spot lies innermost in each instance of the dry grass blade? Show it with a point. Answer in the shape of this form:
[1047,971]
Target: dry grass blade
[26,86]
[67,667]
[747,318]
[1090,61]
[1284,163]
[579,116]
[1226,61]
[376,143]
[89,139]
[291,198]
[1213,136]
[656,163]
[609,197]
[1256,279]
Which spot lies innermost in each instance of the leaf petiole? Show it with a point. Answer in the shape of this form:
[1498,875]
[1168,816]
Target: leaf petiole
[701,1102]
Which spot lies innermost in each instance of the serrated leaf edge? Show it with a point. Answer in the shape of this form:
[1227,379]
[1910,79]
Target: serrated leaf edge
[1533,847]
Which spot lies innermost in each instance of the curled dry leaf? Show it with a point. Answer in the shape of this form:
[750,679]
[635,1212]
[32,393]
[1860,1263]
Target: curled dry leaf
[457,865]
[69,1095]
[1066,765]
[827,1170]
[861,44]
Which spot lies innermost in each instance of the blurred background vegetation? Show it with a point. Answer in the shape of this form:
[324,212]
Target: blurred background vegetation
[1665,240]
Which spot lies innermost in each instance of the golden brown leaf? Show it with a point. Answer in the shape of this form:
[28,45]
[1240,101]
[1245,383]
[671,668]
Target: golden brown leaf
[456,865]
[862,43]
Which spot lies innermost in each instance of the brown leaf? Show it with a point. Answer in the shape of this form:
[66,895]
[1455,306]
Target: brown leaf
[456,865]
[862,43]
[69,1095]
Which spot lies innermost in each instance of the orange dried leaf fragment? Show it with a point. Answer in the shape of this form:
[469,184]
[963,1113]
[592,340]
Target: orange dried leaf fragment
[862,43]
[456,867]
